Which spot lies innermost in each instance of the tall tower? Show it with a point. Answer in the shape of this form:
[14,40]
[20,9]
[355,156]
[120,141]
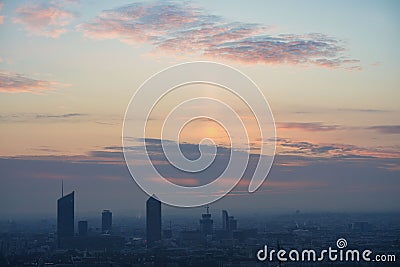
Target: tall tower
[153,220]
[225,220]
[65,216]
[83,228]
[229,223]
[206,223]
[106,221]
[232,223]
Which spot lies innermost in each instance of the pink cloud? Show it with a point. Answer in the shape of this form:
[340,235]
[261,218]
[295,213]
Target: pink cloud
[178,181]
[184,181]
[45,19]
[1,17]
[138,23]
[177,28]
[11,82]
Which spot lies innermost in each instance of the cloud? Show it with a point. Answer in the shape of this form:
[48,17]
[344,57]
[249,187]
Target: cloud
[345,110]
[308,126]
[366,110]
[42,117]
[285,147]
[102,180]
[386,129]
[62,116]
[12,82]
[329,150]
[1,17]
[291,155]
[178,28]
[43,19]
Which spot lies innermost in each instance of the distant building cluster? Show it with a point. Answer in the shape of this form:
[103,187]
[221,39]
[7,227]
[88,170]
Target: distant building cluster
[203,241]
[66,237]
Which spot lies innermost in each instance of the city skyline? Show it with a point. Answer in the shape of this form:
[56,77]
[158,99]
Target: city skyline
[185,242]
[154,229]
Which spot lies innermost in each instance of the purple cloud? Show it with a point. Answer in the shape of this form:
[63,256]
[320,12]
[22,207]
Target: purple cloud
[11,82]
[186,29]
[386,129]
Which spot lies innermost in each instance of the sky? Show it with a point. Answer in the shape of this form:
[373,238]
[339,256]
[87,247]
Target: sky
[329,70]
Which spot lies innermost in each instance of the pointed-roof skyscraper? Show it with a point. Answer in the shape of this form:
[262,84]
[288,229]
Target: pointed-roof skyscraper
[65,216]
[153,220]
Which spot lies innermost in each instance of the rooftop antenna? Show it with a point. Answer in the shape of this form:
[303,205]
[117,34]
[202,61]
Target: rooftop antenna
[207,207]
[62,188]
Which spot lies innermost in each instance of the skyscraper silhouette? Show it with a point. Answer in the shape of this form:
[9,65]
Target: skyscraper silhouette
[206,223]
[229,223]
[106,221]
[232,223]
[225,220]
[65,217]
[83,228]
[153,220]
